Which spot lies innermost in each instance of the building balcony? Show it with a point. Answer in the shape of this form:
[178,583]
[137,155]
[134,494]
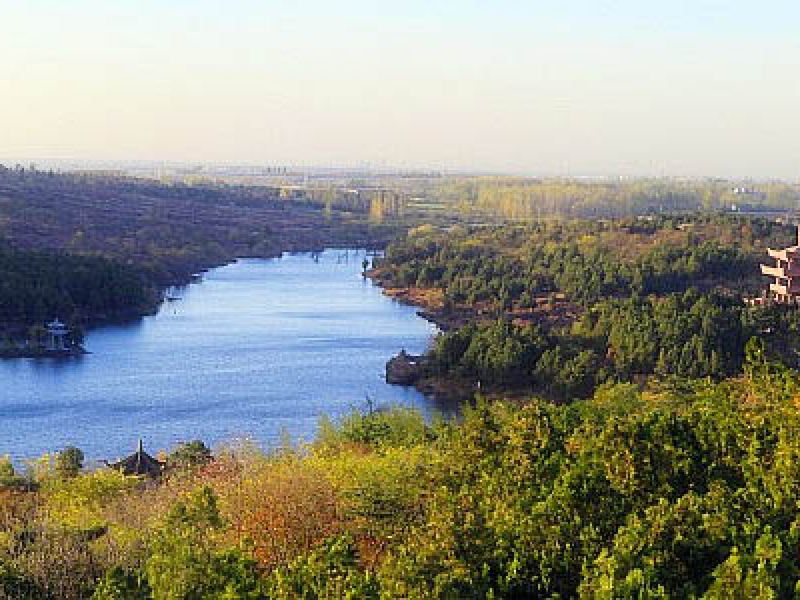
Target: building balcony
[777,254]
[776,288]
[784,254]
[773,271]
[785,290]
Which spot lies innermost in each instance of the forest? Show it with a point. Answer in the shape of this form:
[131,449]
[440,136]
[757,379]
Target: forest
[36,287]
[685,490]
[513,265]
[562,307]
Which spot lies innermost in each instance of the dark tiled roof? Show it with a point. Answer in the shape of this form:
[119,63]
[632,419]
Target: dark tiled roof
[138,463]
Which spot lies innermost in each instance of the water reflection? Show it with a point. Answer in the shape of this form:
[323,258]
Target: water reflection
[52,363]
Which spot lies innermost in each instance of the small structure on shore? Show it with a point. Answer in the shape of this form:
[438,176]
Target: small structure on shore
[785,289]
[57,334]
[52,340]
[138,463]
[403,369]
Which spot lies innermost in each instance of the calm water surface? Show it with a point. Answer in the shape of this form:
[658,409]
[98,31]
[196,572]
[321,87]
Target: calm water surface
[258,347]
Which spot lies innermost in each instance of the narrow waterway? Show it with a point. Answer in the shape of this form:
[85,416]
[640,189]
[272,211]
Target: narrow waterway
[258,347]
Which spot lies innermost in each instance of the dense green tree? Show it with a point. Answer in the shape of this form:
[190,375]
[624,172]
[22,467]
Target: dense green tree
[118,584]
[69,462]
[188,455]
[331,571]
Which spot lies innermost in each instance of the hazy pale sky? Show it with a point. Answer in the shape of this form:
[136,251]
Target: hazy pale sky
[696,87]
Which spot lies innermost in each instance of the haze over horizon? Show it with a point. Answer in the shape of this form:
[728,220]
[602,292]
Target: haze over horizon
[579,88]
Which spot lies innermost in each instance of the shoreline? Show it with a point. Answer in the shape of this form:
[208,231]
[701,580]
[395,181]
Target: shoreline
[430,305]
[429,301]
[183,379]
[161,293]
[12,353]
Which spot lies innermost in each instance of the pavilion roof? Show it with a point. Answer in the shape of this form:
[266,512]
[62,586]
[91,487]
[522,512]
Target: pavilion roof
[138,463]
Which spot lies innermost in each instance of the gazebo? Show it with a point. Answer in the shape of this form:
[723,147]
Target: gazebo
[57,334]
[138,463]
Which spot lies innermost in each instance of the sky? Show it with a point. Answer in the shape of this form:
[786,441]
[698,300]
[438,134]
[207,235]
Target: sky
[540,87]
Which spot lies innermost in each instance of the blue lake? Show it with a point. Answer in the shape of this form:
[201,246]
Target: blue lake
[256,348]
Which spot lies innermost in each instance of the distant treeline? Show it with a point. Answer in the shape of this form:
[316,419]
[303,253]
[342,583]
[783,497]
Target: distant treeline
[521,198]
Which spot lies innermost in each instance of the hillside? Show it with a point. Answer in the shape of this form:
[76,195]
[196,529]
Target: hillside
[169,230]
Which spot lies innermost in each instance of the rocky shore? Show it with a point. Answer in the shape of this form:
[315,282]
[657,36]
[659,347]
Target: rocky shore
[404,369]
[415,370]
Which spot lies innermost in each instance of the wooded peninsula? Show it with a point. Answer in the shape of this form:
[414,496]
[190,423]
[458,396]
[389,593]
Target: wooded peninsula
[559,308]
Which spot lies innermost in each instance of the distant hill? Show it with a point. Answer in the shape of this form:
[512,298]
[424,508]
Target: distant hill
[173,230]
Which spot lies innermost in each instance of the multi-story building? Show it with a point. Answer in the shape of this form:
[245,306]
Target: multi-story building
[785,288]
